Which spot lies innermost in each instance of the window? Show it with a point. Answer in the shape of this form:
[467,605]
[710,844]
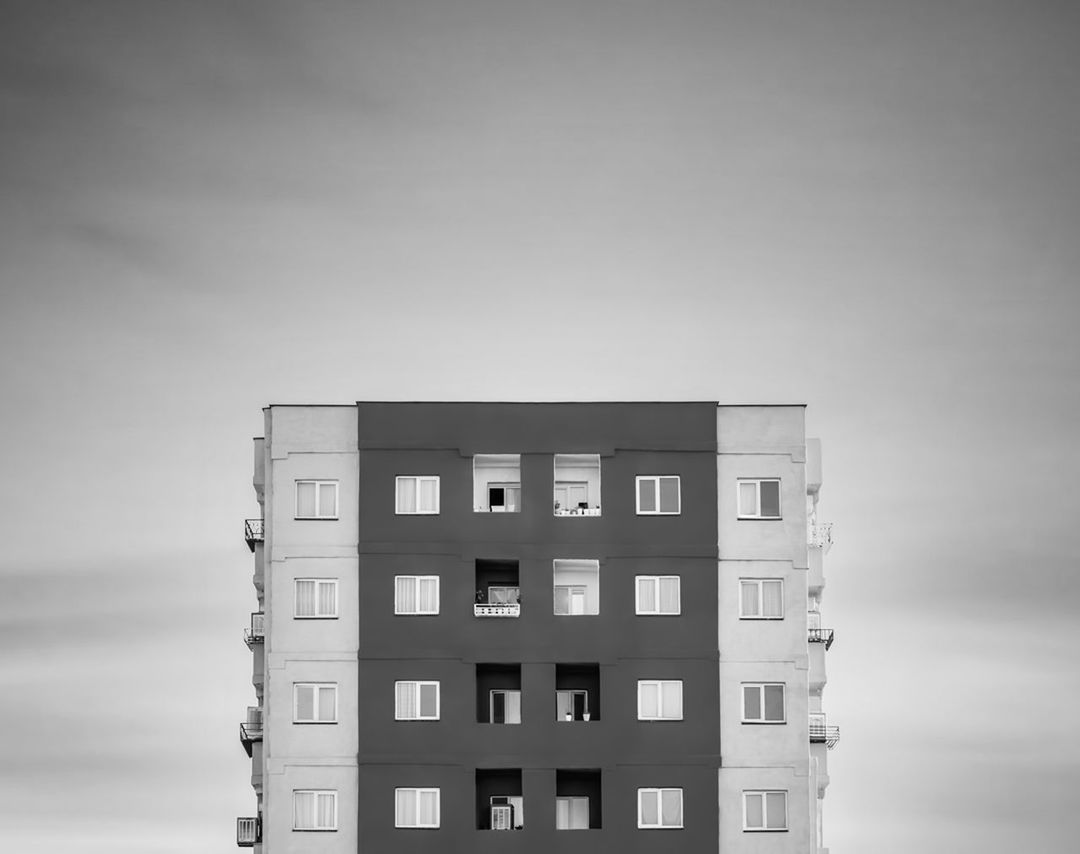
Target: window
[569,600]
[576,587]
[658,495]
[416,594]
[658,594]
[505,707]
[572,706]
[763,703]
[416,807]
[577,484]
[416,701]
[316,499]
[761,598]
[571,813]
[659,700]
[314,809]
[316,598]
[497,483]
[759,499]
[314,703]
[417,494]
[659,808]
[764,810]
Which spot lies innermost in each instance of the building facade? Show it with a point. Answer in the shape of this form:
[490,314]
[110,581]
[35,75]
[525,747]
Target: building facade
[539,619]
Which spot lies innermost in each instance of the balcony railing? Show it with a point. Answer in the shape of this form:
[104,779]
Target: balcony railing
[577,511]
[251,730]
[248,831]
[257,632]
[822,734]
[507,609]
[819,535]
[824,636]
[253,532]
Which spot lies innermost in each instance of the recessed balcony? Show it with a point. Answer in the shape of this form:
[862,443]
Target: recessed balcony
[824,636]
[498,593]
[251,730]
[819,535]
[495,609]
[253,532]
[248,831]
[257,632]
[820,733]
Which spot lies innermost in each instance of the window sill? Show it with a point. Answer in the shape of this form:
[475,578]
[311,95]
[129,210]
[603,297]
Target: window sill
[316,617]
[764,723]
[760,518]
[658,614]
[314,830]
[315,723]
[316,518]
[659,512]
[765,830]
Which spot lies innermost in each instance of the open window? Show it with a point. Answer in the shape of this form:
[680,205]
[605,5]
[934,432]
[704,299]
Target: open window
[577,484]
[497,483]
[576,587]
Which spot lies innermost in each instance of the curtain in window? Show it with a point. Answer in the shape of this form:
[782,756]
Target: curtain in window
[405,810]
[755,815]
[327,598]
[772,599]
[327,697]
[324,809]
[647,495]
[304,810]
[429,595]
[405,594]
[775,810]
[305,498]
[650,808]
[669,595]
[648,700]
[429,808]
[750,599]
[406,495]
[512,710]
[774,702]
[748,503]
[305,702]
[429,701]
[406,700]
[671,696]
[669,494]
[428,494]
[328,499]
[646,595]
[305,598]
[752,702]
[571,813]
[671,807]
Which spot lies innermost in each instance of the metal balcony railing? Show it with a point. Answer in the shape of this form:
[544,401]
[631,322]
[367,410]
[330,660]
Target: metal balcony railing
[248,831]
[257,632]
[251,730]
[508,609]
[824,636]
[819,535]
[253,532]
[822,734]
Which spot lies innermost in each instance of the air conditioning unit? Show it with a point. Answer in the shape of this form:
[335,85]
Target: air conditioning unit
[502,814]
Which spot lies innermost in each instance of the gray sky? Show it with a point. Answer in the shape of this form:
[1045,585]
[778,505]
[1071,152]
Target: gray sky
[871,207]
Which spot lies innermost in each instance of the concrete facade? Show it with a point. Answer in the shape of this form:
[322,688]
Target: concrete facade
[567,633]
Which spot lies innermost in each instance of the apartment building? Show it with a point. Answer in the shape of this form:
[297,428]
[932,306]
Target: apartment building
[536,627]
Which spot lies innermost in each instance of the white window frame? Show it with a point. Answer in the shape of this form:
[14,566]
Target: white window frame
[316,793]
[656,478]
[318,498]
[570,693]
[569,799]
[659,685]
[417,479]
[417,792]
[760,687]
[760,583]
[761,793]
[491,705]
[417,580]
[315,703]
[655,580]
[659,809]
[742,514]
[419,684]
[319,582]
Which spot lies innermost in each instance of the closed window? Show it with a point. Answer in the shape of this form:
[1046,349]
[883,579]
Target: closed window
[761,598]
[316,598]
[569,600]
[417,494]
[659,700]
[314,809]
[765,810]
[658,594]
[759,499]
[314,703]
[660,808]
[416,594]
[505,707]
[416,807]
[763,703]
[316,499]
[416,701]
[571,813]
[658,495]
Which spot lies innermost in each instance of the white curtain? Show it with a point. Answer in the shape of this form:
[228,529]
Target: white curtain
[669,595]
[755,815]
[428,495]
[650,809]
[406,495]
[671,699]
[405,811]
[752,702]
[671,807]
[406,701]
[429,808]
[304,810]
[328,499]
[748,503]
[772,598]
[513,707]
[327,702]
[305,498]
[305,598]
[405,594]
[775,810]
[327,598]
[648,700]
[646,586]
[429,595]
[750,605]
[305,702]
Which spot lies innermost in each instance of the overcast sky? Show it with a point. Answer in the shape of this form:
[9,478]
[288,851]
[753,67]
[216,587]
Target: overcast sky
[871,207]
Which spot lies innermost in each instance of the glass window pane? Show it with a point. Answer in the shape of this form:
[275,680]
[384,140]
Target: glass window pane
[562,600]
[750,599]
[646,587]
[305,498]
[429,595]
[579,813]
[406,807]
[748,505]
[303,809]
[672,807]
[647,495]
[648,699]
[325,804]
[406,700]
[327,695]
[770,498]
[775,810]
[562,813]
[404,594]
[429,701]
[328,499]
[327,599]
[754,817]
[751,702]
[513,707]
[669,595]
[672,699]
[406,495]
[429,808]
[428,494]
[669,494]
[563,705]
[772,598]
[650,808]
[774,702]
[305,598]
[305,703]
